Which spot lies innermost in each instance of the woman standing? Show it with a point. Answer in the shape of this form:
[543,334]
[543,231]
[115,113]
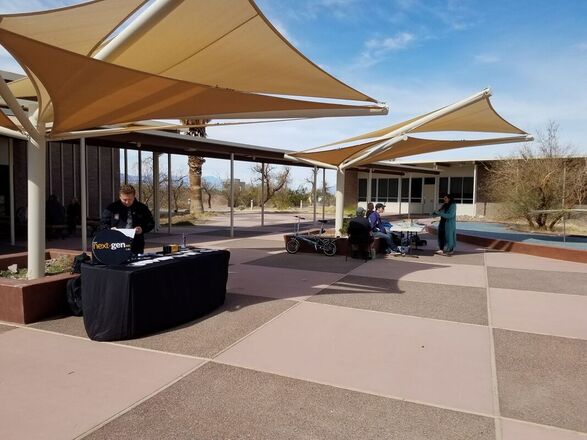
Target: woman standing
[447,228]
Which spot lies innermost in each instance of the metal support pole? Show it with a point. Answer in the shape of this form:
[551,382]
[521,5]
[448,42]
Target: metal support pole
[263,194]
[126,166]
[563,207]
[339,209]
[409,195]
[83,193]
[369,183]
[400,195]
[36,168]
[169,182]
[11,189]
[140,170]
[474,191]
[156,203]
[231,195]
[323,193]
[314,197]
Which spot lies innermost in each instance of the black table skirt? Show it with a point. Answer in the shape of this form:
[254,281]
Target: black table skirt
[124,302]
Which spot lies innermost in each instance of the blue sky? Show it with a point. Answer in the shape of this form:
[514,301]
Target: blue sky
[418,55]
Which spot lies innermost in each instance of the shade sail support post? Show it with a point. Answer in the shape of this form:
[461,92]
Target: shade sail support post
[384,146]
[339,197]
[156,198]
[323,193]
[314,195]
[311,162]
[20,114]
[263,194]
[369,183]
[83,193]
[231,195]
[150,17]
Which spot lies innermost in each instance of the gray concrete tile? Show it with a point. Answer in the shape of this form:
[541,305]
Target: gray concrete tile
[438,301]
[205,337]
[427,255]
[223,402]
[58,387]
[538,280]
[309,261]
[68,325]
[5,328]
[255,244]
[541,379]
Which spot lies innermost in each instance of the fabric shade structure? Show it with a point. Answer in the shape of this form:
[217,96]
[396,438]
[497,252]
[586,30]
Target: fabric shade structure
[473,114]
[192,40]
[121,62]
[111,94]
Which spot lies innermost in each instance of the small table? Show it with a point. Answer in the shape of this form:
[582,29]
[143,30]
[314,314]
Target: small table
[131,300]
[409,229]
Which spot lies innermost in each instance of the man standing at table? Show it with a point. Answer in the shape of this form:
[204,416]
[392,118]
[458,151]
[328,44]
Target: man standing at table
[128,213]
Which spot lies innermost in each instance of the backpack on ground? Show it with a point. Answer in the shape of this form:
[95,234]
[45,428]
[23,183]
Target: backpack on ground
[73,289]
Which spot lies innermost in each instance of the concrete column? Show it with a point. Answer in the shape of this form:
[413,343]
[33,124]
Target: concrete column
[83,193]
[11,189]
[339,201]
[36,171]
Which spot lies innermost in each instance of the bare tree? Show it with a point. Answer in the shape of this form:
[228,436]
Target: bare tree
[273,179]
[543,177]
[210,188]
[178,190]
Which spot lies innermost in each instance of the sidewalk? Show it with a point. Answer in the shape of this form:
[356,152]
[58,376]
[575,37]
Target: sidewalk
[480,345]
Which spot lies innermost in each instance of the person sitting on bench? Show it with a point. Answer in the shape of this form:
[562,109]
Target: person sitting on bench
[379,231]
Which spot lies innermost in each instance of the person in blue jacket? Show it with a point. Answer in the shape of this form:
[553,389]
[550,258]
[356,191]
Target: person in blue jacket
[447,228]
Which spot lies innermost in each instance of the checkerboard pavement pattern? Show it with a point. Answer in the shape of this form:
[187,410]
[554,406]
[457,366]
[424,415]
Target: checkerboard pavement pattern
[481,345]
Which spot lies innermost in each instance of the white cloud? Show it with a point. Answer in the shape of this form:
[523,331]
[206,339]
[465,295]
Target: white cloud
[376,49]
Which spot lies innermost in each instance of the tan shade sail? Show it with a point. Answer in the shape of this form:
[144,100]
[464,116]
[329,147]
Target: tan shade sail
[478,115]
[79,28]
[413,146]
[409,147]
[223,43]
[88,93]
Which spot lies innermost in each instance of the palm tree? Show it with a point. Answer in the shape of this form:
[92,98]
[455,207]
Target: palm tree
[195,164]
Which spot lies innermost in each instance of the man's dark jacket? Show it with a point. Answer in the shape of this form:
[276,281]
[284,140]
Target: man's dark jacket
[359,230]
[115,216]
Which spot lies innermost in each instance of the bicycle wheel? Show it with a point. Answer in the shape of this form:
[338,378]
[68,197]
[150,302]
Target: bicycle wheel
[292,246]
[329,248]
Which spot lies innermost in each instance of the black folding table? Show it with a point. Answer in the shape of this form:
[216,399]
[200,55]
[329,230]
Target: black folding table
[127,301]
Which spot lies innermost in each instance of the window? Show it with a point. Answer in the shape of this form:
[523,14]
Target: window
[362,190]
[393,188]
[429,180]
[456,188]
[405,190]
[373,190]
[442,189]
[382,190]
[468,190]
[416,190]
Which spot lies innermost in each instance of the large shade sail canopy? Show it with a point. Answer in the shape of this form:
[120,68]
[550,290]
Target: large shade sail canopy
[222,43]
[473,114]
[108,94]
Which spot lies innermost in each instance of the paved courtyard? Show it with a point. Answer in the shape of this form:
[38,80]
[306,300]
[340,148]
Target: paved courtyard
[480,345]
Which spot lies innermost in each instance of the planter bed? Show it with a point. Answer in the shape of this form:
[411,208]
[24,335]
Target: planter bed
[25,301]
